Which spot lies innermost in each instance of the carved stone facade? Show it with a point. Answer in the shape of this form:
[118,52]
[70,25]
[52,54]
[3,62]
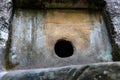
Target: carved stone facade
[15,34]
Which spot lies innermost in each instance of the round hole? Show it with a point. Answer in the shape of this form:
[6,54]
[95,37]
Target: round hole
[63,48]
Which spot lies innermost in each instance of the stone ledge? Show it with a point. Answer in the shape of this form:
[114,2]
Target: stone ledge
[99,71]
[59,4]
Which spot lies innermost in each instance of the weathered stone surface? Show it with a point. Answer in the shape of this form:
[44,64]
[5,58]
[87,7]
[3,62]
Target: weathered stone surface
[101,71]
[113,25]
[111,5]
[59,4]
[108,71]
[5,19]
[35,32]
[112,8]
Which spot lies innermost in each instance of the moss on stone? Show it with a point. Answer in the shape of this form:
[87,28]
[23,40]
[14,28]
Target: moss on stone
[7,63]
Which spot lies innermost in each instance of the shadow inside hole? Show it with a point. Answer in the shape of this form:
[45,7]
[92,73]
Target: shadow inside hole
[63,48]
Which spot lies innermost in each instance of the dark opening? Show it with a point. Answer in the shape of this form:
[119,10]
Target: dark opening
[64,48]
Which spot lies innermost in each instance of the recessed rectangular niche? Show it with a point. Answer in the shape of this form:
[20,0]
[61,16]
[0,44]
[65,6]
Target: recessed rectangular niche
[58,37]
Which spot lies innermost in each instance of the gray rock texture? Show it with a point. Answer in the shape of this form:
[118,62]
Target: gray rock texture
[32,46]
[107,71]
[5,19]
[35,33]
[103,71]
[113,8]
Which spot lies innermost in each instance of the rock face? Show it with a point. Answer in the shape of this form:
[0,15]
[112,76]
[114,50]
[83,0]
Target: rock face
[108,71]
[113,8]
[110,11]
[5,19]
[35,34]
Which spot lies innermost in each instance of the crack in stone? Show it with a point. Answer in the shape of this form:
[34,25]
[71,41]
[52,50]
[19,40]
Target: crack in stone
[75,73]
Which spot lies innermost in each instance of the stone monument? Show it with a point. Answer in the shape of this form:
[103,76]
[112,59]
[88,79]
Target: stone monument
[71,39]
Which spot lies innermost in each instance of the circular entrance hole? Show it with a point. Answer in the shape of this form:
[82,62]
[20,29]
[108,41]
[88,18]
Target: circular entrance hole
[64,48]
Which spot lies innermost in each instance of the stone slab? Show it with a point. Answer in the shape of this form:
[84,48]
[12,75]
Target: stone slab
[35,33]
[101,71]
[112,7]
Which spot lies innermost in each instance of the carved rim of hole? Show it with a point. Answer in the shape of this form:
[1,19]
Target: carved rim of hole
[64,48]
